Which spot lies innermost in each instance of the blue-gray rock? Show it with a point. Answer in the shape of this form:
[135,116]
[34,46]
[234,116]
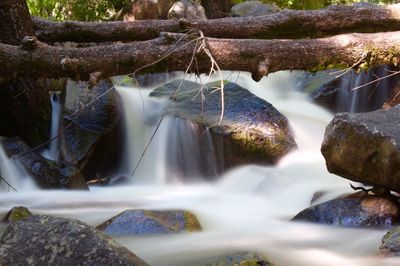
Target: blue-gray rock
[365,147]
[144,222]
[46,240]
[91,131]
[357,210]
[253,8]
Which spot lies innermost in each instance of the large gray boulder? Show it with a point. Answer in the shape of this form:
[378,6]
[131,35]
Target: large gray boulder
[46,240]
[252,130]
[253,8]
[188,9]
[365,147]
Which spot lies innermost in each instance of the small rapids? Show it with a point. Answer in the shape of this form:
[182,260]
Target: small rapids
[246,209]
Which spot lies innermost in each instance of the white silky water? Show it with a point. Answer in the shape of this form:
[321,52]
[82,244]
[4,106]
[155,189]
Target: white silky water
[247,209]
[53,151]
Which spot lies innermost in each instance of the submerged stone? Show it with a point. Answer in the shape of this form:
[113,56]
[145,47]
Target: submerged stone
[143,222]
[238,258]
[356,210]
[17,213]
[391,242]
[365,147]
[46,240]
[46,173]
[251,131]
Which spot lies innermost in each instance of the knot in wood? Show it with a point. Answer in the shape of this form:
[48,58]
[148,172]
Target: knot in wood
[28,43]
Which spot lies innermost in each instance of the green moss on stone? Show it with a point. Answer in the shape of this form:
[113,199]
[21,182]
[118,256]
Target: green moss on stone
[17,213]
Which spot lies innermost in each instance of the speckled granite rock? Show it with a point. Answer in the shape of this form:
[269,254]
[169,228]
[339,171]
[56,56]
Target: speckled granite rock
[365,147]
[46,240]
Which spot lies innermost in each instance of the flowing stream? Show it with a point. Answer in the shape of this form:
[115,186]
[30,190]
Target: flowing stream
[246,209]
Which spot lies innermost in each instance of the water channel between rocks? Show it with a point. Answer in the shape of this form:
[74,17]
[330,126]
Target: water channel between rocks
[246,209]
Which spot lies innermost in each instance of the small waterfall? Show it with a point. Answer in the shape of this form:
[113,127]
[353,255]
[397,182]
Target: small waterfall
[142,117]
[53,151]
[13,173]
[191,151]
[356,92]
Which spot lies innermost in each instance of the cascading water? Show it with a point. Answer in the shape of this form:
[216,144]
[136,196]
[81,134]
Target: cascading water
[13,174]
[53,151]
[247,209]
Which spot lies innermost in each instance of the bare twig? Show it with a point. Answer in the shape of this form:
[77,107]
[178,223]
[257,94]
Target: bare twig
[8,184]
[376,80]
[147,146]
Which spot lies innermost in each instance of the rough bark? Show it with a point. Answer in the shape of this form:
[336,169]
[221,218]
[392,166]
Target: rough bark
[20,99]
[259,57]
[15,21]
[286,24]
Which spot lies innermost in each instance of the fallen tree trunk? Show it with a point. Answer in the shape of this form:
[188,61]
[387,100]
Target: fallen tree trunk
[286,24]
[259,57]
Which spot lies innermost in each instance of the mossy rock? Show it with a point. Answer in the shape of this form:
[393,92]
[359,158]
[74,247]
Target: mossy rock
[236,259]
[252,130]
[144,222]
[17,213]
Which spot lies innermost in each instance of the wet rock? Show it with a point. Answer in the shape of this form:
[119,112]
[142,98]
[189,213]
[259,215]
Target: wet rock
[253,8]
[46,173]
[188,9]
[365,147]
[252,130]
[143,222]
[92,128]
[391,242]
[238,258]
[138,10]
[46,240]
[17,213]
[356,210]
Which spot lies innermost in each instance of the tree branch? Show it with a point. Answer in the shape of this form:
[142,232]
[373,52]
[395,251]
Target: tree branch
[286,24]
[259,57]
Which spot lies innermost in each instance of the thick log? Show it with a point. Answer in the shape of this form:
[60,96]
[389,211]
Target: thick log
[286,24]
[259,57]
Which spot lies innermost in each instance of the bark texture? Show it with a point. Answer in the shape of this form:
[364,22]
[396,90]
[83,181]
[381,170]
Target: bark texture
[259,57]
[286,24]
[20,98]
[15,21]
